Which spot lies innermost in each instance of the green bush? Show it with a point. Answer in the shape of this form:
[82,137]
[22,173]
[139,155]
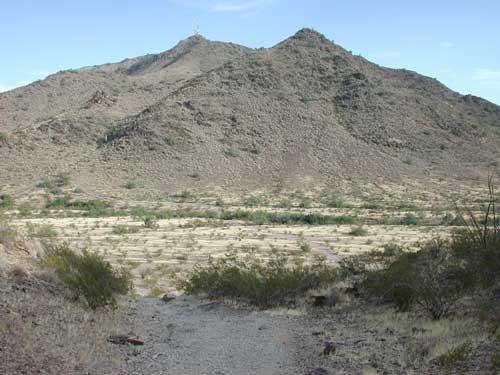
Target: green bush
[93,208]
[6,201]
[285,218]
[125,229]
[110,136]
[433,278]
[41,231]
[62,180]
[150,222]
[130,185]
[306,203]
[53,185]
[8,235]
[253,201]
[261,284]
[335,201]
[453,357]
[358,231]
[88,275]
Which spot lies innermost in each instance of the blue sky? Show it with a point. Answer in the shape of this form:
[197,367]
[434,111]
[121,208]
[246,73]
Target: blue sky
[457,42]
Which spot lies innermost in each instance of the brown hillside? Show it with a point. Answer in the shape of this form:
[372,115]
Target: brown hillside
[210,114]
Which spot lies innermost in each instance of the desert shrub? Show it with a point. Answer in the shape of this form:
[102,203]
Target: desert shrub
[453,357]
[130,185]
[125,229]
[440,272]
[150,222]
[431,277]
[253,201]
[3,137]
[45,231]
[372,205]
[53,184]
[184,196]
[452,220]
[93,208]
[305,247]
[255,282]
[335,201]
[110,136]
[169,141]
[8,235]
[88,275]
[306,203]
[358,231]
[286,218]
[409,219]
[59,202]
[6,201]
[62,180]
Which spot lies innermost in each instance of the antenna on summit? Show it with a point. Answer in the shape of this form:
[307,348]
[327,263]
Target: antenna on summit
[196,28]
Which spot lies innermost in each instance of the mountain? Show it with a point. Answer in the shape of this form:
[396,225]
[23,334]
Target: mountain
[208,115]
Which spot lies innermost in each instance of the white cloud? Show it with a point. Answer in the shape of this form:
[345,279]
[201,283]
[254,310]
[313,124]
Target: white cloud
[238,6]
[448,44]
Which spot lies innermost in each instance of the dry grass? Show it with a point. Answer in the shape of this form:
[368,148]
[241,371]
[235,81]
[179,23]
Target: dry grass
[41,330]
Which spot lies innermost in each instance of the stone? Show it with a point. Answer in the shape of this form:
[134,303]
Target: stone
[124,340]
[329,348]
[34,248]
[166,298]
[318,371]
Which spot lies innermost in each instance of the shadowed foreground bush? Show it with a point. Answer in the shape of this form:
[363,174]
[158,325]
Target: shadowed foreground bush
[431,277]
[88,275]
[440,272]
[252,281]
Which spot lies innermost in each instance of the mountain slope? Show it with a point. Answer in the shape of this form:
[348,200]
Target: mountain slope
[209,114]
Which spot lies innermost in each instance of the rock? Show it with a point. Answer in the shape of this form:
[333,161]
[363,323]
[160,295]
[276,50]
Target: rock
[166,298]
[34,248]
[329,348]
[325,300]
[318,371]
[124,340]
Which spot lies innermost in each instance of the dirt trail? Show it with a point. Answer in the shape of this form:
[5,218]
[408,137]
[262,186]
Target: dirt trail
[186,336]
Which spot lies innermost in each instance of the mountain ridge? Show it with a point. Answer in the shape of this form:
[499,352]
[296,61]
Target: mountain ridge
[305,109]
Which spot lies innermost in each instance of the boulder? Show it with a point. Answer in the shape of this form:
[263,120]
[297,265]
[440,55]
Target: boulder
[34,248]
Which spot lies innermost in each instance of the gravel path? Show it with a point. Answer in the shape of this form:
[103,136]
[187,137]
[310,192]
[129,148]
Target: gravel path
[186,336]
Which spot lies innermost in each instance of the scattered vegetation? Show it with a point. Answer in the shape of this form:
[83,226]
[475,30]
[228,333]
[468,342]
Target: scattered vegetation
[253,201]
[45,231]
[439,273]
[125,229]
[257,283]
[150,222]
[130,185]
[453,357]
[358,231]
[334,200]
[88,275]
[110,136]
[6,201]
[53,185]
